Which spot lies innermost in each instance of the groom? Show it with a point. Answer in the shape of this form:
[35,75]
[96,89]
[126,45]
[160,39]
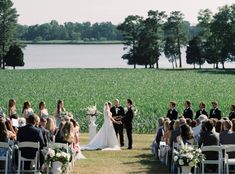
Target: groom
[118,113]
[127,121]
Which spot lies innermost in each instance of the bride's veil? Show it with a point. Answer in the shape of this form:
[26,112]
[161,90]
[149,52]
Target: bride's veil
[106,107]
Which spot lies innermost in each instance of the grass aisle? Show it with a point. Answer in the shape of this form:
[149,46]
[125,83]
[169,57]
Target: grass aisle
[138,160]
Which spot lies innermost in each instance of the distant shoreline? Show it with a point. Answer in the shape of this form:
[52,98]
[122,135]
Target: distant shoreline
[69,42]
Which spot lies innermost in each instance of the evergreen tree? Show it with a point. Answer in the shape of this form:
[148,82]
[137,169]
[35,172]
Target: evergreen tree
[14,57]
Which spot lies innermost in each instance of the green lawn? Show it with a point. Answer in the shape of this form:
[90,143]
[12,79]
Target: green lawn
[150,89]
[139,160]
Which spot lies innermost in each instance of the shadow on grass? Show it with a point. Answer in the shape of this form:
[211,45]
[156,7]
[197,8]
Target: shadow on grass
[225,72]
[150,163]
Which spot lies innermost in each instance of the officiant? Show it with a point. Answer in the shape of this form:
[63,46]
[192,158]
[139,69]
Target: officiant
[118,113]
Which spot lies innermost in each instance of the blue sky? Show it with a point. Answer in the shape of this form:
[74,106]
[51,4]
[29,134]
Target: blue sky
[41,11]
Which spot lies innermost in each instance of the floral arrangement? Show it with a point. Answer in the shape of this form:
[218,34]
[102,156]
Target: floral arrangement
[57,154]
[92,111]
[188,156]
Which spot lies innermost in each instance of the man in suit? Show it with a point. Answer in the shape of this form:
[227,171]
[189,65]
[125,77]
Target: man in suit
[215,112]
[188,112]
[201,111]
[127,121]
[172,113]
[118,113]
[32,134]
[232,113]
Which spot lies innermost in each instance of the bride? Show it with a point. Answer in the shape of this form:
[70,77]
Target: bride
[106,138]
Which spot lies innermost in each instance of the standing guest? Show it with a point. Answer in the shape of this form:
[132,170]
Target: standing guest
[232,113]
[118,113]
[215,112]
[127,121]
[202,110]
[227,136]
[32,134]
[50,125]
[59,112]
[43,112]
[167,132]
[186,135]
[188,112]
[27,110]
[218,125]
[12,109]
[172,113]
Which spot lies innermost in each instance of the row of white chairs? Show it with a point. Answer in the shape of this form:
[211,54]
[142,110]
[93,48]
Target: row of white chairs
[21,160]
[223,160]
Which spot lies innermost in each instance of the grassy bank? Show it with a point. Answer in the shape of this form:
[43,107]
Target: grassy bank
[151,90]
[72,42]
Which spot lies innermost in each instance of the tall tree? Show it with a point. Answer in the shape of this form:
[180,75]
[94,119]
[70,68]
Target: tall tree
[176,31]
[131,30]
[8,24]
[15,56]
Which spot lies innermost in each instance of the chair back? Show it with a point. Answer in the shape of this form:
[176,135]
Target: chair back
[4,145]
[229,148]
[28,144]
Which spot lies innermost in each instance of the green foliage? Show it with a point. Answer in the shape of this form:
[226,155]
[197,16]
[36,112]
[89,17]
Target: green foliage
[8,21]
[151,90]
[14,57]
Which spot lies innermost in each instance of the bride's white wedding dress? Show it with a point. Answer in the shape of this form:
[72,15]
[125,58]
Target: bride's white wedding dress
[106,138]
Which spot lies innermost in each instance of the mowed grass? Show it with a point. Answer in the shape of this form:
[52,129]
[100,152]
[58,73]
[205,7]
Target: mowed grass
[138,160]
[150,89]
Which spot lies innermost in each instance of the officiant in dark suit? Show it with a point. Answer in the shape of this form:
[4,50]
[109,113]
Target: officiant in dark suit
[118,113]
[127,121]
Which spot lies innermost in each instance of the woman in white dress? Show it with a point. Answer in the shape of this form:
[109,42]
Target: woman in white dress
[106,138]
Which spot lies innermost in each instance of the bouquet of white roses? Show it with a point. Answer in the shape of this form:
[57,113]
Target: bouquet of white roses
[57,154]
[188,156]
[92,111]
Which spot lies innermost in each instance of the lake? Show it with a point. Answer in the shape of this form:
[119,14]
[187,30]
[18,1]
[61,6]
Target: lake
[85,56]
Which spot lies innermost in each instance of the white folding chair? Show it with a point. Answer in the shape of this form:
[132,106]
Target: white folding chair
[6,157]
[228,160]
[21,160]
[219,161]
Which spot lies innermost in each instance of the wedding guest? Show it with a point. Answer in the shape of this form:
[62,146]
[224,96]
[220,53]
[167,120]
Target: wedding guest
[227,136]
[50,125]
[32,134]
[11,130]
[232,113]
[202,110]
[4,137]
[22,122]
[193,123]
[167,132]
[27,110]
[159,135]
[65,133]
[172,113]
[127,121]
[188,112]
[233,122]
[12,109]
[118,113]
[218,126]
[43,112]
[188,121]
[59,112]
[186,135]
[175,133]
[197,130]
[215,112]
[40,124]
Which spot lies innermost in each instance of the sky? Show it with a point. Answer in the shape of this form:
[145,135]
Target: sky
[42,11]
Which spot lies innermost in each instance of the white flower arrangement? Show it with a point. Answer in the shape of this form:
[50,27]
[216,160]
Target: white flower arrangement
[92,111]
[188,156]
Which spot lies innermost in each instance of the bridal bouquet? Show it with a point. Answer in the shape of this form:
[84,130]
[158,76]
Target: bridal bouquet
[188,156]
[92,111]
[57,154]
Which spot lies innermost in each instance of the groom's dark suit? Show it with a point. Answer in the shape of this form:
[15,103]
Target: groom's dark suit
[118,111]
[127,121]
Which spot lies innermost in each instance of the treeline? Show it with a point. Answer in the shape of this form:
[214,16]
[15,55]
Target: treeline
[212,40]
[69,31]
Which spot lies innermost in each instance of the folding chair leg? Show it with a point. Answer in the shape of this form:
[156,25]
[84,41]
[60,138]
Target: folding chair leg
[203,168]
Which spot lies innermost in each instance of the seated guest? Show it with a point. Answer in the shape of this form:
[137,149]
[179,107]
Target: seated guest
[188,121]
[218,126]
[22,122]
[65,133]
[197,129]
[193,123]
[50,125]
[186,135]
[227,136]
[167,132]
[215,112]
[172,113]
[40,124]
[159,132]
[232,113]
[32,134]
[233,127]
[188,112]
[175,133]
[11,130]
[4,137]
[27,110]
[202,110]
